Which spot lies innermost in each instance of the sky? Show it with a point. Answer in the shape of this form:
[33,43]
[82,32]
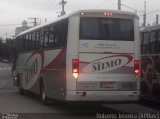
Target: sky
[13,12]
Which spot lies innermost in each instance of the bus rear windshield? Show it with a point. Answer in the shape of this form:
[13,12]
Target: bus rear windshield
[106,29]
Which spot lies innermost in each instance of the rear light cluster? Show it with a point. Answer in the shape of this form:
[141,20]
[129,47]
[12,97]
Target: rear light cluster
[75,68]
[108,14]
[136,67]
[82,13]
[105,14]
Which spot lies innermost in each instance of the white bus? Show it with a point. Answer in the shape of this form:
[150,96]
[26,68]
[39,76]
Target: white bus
[89,55]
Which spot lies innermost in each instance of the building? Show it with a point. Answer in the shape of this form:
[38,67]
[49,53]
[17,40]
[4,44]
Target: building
[23,28]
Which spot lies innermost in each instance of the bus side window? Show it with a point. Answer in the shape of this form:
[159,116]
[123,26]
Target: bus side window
[62,33]
[158,42]
[27,42]
[42,39]
[145,42]
[65,32]
[37,40]
[51,36]
[23,43]
[141,38]
[19,42]
[33,40]
[46,38]
[57,33]
[30,42]
[152,44]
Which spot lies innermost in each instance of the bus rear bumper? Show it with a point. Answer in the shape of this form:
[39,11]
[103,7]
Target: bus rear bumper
[106,96]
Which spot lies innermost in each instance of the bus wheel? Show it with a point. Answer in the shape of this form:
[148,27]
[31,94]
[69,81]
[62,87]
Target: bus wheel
[43,94]
[21,91]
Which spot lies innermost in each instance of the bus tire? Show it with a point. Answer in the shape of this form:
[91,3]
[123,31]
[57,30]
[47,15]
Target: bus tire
[43,94]
[21,91]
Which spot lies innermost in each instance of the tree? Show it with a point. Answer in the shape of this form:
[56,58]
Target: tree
[1,47]
[6,48]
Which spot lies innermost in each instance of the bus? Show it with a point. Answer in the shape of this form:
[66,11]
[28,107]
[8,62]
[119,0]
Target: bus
[86,56]
[150,48]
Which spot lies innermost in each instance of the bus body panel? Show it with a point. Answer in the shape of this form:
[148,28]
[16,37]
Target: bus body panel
[118,76]
[105,96]
[47,66]
[72,50]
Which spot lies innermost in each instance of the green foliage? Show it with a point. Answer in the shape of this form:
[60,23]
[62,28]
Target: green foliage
[6,48]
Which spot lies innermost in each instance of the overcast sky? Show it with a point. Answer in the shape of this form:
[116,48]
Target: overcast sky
[13,12]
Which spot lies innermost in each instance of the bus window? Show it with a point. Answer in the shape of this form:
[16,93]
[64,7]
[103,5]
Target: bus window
[152,44]
[58,35]
[41,39]
[65,32]
[30,42]
[51,36]
[38,40]
[33,40]
[106,29]
[23,43]
[27,43]
[145,42]
[20,44]
[46,38]
[158,42]
[141,38]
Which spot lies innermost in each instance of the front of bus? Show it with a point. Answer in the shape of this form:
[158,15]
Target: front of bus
[104,58]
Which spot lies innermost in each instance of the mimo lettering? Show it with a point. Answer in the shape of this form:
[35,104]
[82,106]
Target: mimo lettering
[31,71]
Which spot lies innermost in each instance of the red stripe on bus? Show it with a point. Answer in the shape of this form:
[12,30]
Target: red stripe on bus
[55,61]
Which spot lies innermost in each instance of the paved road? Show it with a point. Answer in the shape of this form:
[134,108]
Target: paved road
[12,102]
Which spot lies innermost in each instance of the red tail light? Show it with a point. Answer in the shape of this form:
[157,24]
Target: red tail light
[75,68]
[108,14]
[82,13]
[137,67]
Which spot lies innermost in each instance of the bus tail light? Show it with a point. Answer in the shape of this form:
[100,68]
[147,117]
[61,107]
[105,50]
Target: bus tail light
[75,68]
[14,77]
[136,67]
[82,13]
[108,14]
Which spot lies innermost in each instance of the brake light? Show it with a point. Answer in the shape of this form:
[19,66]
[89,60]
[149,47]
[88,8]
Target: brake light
[15,78]
[82,13]
[108,14]
[75,68]
[136,67]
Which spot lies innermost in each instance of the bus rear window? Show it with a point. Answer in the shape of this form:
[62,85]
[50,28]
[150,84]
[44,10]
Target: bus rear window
[106,29]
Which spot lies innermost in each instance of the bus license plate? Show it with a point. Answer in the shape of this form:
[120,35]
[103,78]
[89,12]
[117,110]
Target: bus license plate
[106,84]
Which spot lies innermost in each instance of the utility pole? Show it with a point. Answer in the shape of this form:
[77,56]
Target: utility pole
[119,4]
[157,19]
[144,16]
[63,4]
[34,22]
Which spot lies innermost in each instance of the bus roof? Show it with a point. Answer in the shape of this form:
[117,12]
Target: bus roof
[150,28]
[74,13]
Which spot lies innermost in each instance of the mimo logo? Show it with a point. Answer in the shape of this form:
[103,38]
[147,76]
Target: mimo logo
[107,64]
[99,66]
[31,70]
